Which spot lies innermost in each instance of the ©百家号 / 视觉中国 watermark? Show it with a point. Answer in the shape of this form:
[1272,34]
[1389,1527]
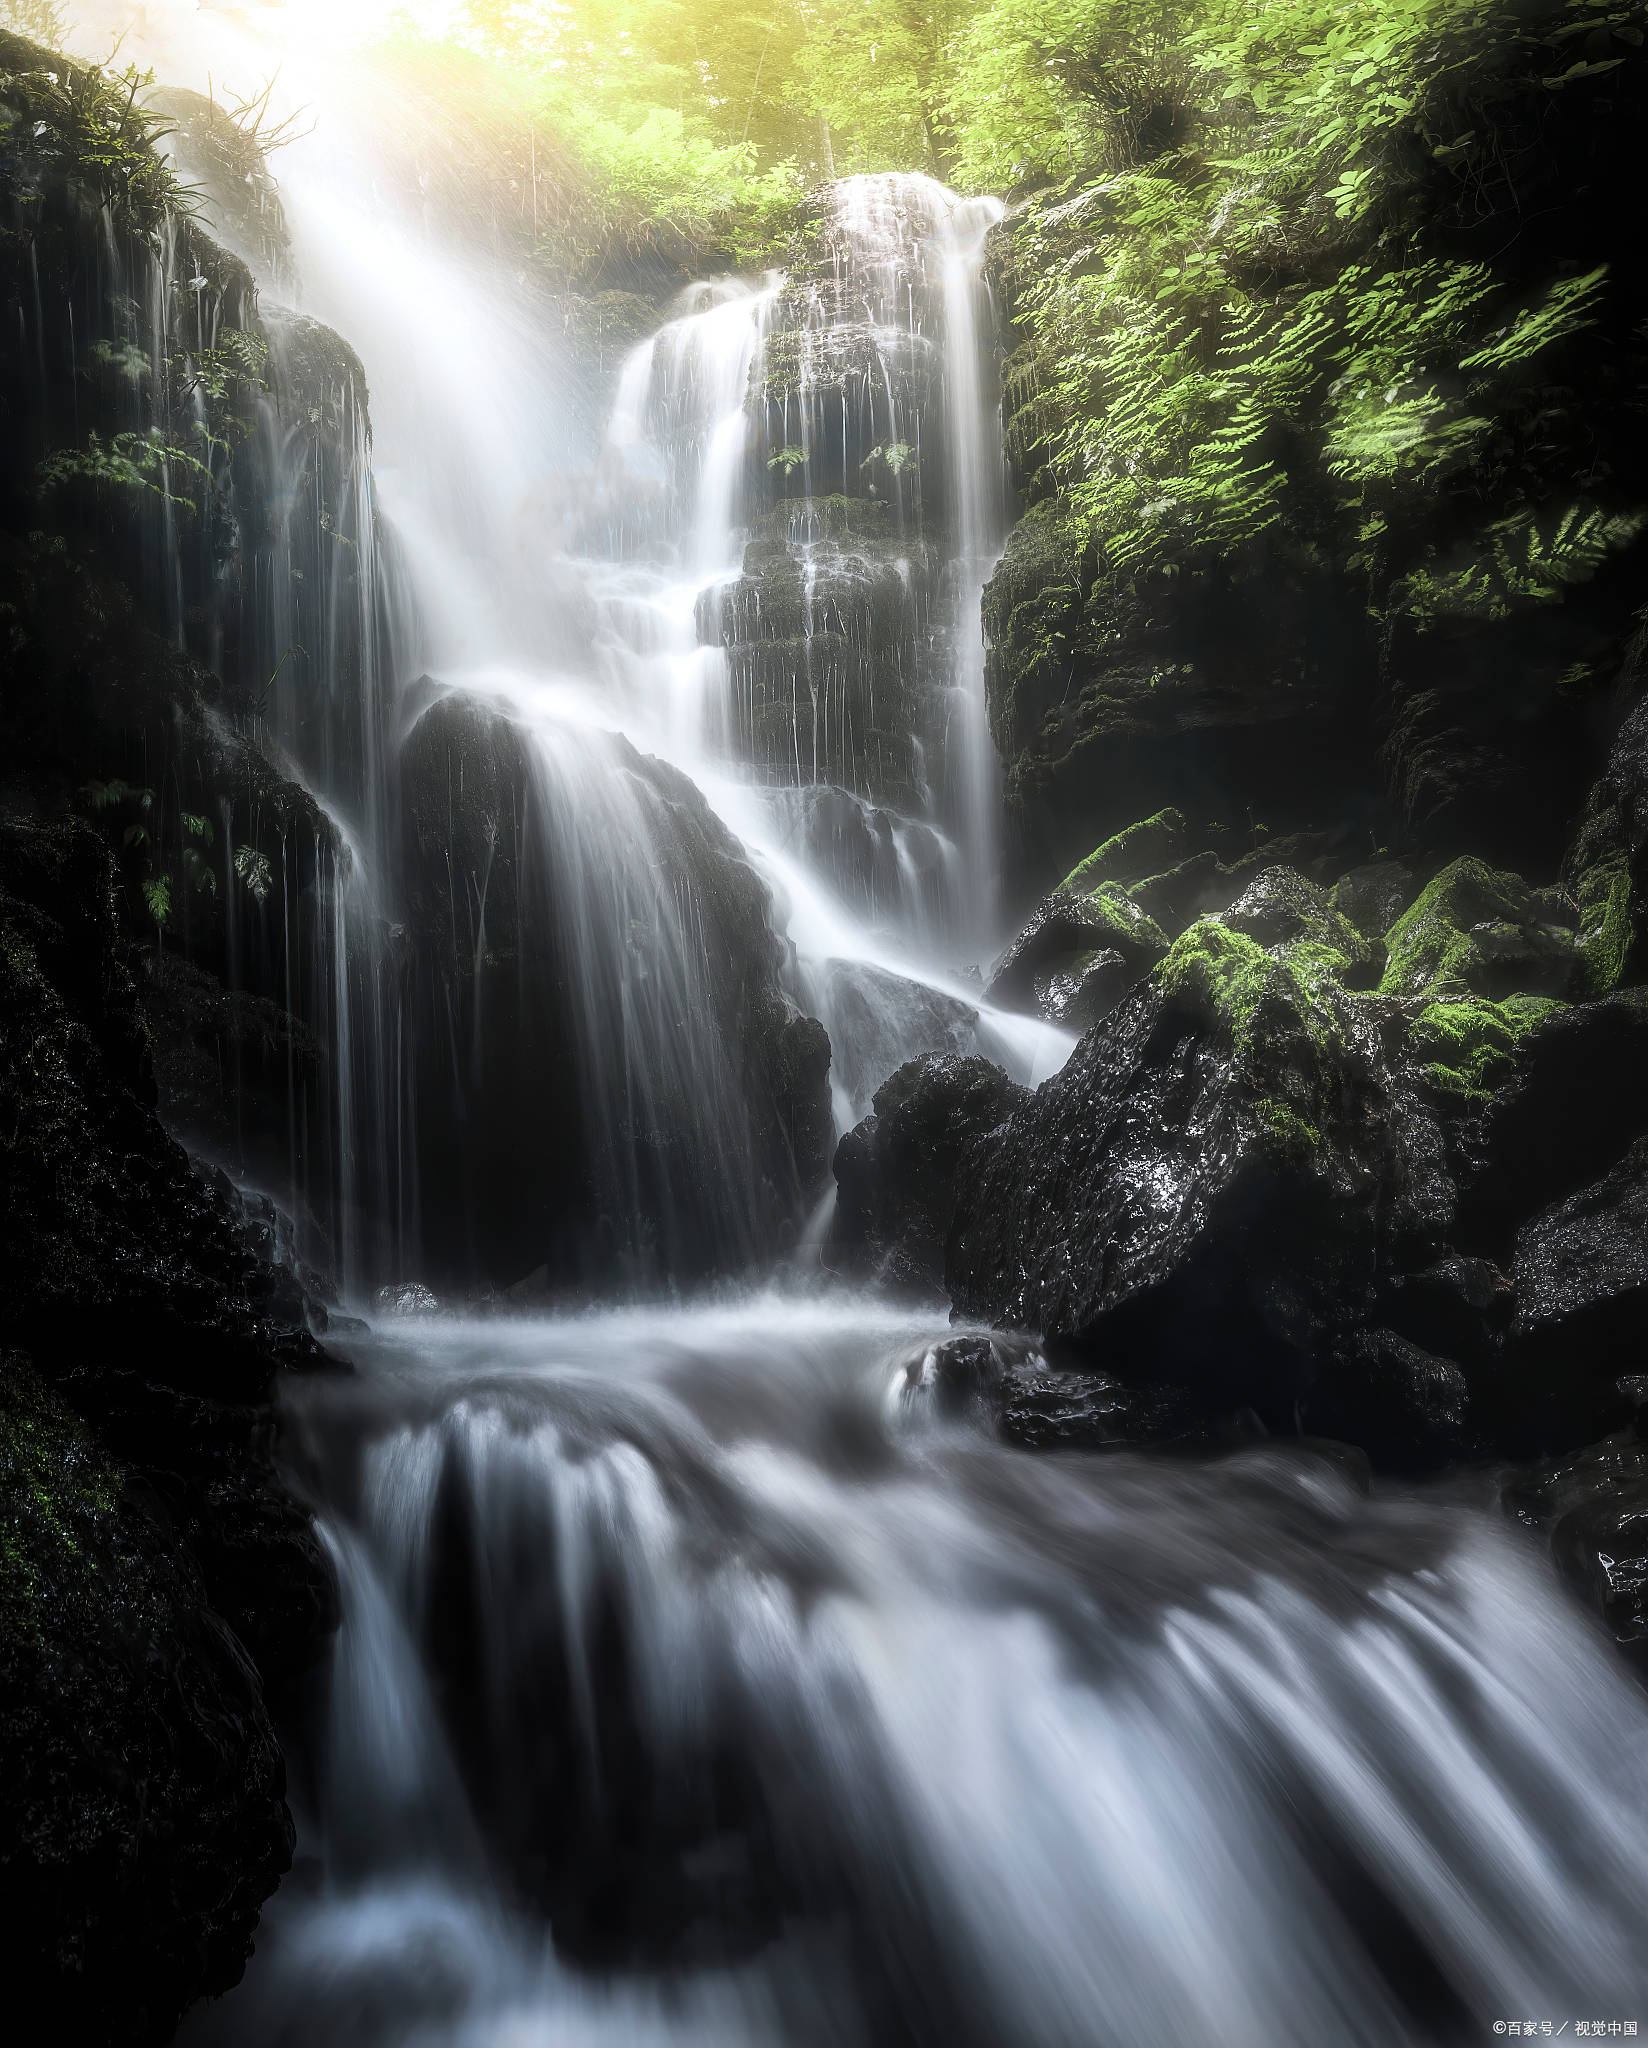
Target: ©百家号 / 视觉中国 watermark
[1585,2030]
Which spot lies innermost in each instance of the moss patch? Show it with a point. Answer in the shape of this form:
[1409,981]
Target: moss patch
[58,1502]
[1468,1046]
[1234,975]
[1138,851]
[1441,945]
[1605,925]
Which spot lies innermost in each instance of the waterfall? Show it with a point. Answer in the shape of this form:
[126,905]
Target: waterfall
[702,1680]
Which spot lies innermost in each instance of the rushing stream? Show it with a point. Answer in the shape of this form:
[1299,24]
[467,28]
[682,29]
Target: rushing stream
[698,1680]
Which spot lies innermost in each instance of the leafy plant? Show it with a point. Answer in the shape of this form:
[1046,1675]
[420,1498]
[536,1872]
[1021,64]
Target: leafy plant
[157,894]
[252,868]
[132,461]
[788,460]
[239,359]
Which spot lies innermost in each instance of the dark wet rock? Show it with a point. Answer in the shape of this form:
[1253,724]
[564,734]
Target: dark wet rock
[1406,1407]
[1460,1307]
[1593,1510]
[1211,1185]
[1375,895]
[1077,995]
[534,1146]
[897,1172]
[1064,928]
[1004,1383]
[1581,1274]
[962,1378]
[407,1298]
[162,1576]
[1279,907]
[1577,1097]
[141,1809]
[1043,1409]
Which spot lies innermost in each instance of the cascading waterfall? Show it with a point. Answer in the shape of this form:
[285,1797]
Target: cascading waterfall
[701,1680]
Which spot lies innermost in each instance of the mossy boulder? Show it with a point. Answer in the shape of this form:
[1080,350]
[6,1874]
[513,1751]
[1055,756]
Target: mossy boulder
[1477,931]
[1145,848]
[1207,1191]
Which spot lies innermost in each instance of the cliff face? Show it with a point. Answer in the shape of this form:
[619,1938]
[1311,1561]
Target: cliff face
[161,887]
[1325,407]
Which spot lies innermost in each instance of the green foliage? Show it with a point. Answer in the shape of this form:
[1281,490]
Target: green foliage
[113,795]
[42,21]
[236,363]
[787,459]
[132,461]
[894,456]
[157,894]
[252,870]
[1224,287]
[1607,930]
[87,124]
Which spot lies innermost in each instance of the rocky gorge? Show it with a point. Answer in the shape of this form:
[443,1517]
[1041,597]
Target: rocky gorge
[927,973]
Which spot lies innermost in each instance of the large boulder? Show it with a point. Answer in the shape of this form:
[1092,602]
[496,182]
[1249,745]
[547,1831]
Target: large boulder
[1581,1272]
[1208,1190]
[1575,1098]
[897,1171]
[615,1076]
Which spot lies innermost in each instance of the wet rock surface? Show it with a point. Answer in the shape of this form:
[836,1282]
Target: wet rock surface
[1592,1509]
[1365,1184]
[544,1134]
[897,1171]
[159,1579]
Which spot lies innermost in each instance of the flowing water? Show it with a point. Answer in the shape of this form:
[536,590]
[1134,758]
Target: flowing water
[699,1681]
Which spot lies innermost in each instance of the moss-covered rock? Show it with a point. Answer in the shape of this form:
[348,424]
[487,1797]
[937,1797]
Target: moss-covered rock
[1477,931]
[1145,848]
[1469,1045]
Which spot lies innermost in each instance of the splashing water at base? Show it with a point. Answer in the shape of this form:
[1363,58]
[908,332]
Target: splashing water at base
[698,1683]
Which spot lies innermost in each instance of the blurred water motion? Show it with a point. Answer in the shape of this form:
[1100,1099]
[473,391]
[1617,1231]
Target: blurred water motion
[698,1683]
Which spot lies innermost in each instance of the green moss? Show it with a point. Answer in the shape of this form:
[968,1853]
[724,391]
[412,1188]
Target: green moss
[1432,946]
[1234,975]
[1469,1045]
[1292,1136]
[58,1502]
[1140,850]
[1125,925]
[1605,924]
